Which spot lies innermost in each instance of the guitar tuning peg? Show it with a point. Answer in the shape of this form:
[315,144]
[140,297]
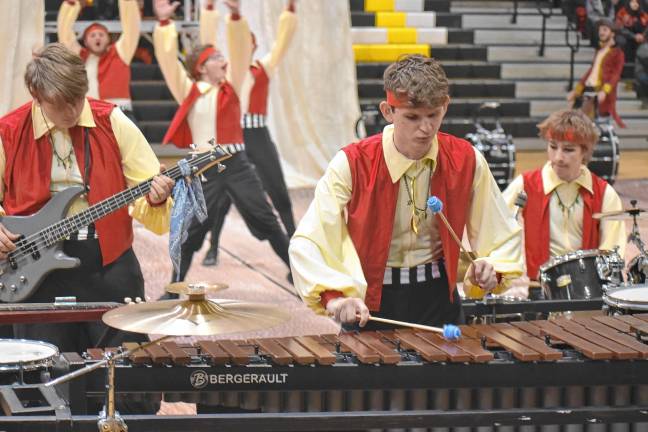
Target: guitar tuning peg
[193,146]
[203,179]
[128,300]
[221,167]
[212,142]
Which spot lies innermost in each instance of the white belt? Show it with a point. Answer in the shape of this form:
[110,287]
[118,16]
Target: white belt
[233,148]
[253,121]
[409,275]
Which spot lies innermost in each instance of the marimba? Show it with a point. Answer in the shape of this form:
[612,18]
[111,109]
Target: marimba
[561,365]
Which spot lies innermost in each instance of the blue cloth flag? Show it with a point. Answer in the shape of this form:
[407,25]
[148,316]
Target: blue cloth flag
[188,203]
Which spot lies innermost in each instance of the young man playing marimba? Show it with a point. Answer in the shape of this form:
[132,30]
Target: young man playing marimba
[563,195]
[390,256]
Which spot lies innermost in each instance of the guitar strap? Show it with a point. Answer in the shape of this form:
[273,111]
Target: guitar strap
[88,161]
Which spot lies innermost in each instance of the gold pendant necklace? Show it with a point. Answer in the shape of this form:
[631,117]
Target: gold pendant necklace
[418,214]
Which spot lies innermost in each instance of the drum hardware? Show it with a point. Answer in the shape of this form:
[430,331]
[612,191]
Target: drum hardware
[496,145]
[638,266]
[186,287]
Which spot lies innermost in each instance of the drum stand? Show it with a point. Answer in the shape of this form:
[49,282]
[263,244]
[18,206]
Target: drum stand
[109,418]
[635,237]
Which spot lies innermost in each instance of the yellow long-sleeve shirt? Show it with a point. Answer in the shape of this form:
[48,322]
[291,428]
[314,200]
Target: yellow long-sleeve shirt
[126,44]
[285,33]
[202,117]
[566,226]
[139,163]
[322,254]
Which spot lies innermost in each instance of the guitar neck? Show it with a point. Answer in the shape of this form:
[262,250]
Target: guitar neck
[72,224]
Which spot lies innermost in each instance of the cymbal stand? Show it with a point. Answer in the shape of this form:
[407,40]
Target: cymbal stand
[109,419]
[635,237]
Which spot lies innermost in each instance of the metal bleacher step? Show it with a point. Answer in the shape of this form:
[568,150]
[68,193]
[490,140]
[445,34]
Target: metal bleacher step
[154,110]
[524,54]
[466,88]
[460,52]
[405,19]
[552,89]
[628,108]
[150,90]
[483,20]
[530,37]
[400,5]
[453,69]
[467,107]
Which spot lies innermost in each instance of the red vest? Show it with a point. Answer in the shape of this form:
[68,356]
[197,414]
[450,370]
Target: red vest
[373,205]
[536,219]
[113,74]
[28,170]
[228,112]
[259,92]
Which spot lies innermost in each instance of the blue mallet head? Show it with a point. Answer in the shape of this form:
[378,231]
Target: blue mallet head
[434,204]
[451,332]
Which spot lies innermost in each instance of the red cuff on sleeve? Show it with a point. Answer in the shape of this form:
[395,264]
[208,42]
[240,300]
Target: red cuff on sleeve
[327,296]
[148,200]
[210,7]
[291,8]
[164,22]
[236,16]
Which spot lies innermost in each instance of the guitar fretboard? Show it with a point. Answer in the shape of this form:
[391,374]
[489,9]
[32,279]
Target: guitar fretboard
[64,228]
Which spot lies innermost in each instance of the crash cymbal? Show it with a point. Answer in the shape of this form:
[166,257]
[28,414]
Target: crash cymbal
[625,214]
[186,287]
[196,316]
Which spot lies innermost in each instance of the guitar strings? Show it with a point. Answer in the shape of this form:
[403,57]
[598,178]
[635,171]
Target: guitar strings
[29,245]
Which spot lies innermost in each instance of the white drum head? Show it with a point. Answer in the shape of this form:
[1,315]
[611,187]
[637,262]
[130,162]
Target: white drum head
[633,298]
[25,354]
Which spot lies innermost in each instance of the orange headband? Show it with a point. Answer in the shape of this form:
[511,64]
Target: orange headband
[94,26]
[202,58]
[566,136]
[398,102]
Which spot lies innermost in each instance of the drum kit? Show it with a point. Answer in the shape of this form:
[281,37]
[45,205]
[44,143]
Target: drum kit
[196,315]
[597,274]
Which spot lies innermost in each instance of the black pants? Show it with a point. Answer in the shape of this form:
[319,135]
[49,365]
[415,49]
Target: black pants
[90,282]
[262,152]
[426,302]
[240,182]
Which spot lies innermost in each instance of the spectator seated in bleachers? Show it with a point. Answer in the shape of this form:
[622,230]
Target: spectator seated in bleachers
[641,74]
[597,10]
[632,21]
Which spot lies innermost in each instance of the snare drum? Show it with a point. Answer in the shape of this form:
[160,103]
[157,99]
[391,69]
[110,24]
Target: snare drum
[27,355]
[627,299]
[582,274]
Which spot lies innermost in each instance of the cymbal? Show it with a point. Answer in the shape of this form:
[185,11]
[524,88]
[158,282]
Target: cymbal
[188,287]
[196,316]
[624,214]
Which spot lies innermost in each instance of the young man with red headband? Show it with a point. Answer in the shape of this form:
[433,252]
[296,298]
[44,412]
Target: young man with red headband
[259,146]
[367,243]
[210,108]
[564,193]
[108,64]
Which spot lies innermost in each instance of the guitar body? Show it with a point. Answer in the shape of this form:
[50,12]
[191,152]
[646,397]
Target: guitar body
[18,284]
